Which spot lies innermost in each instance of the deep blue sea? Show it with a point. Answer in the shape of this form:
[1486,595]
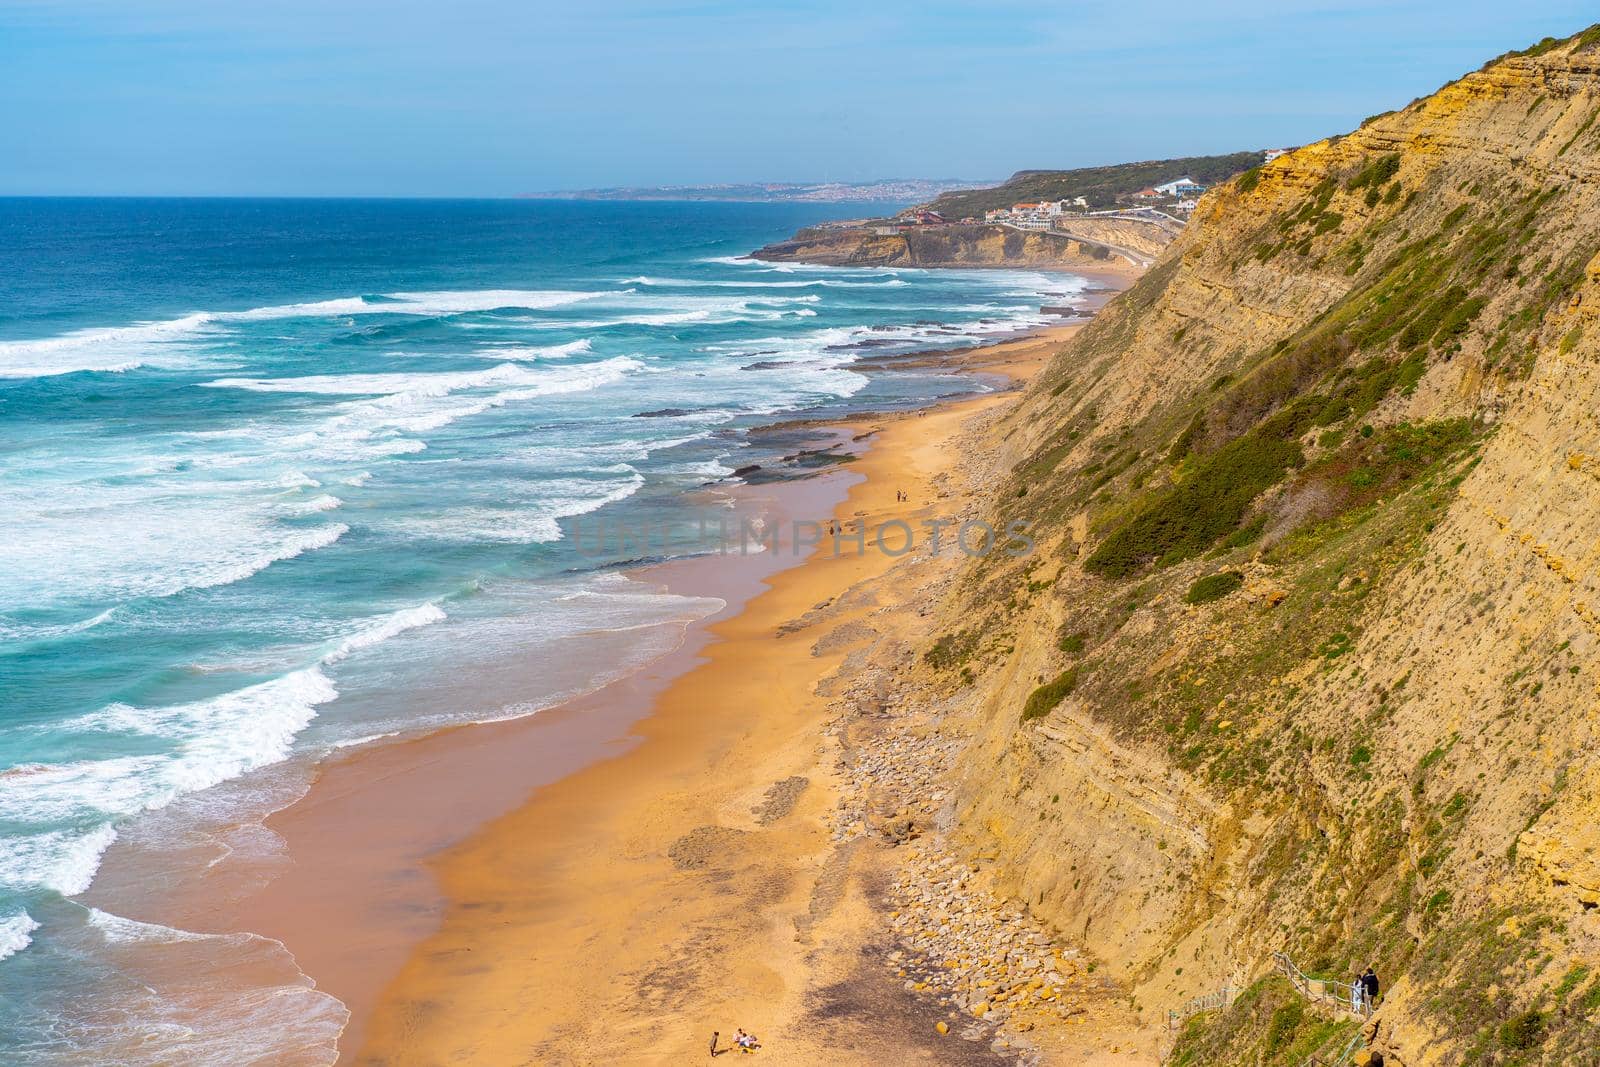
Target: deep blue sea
[281,477]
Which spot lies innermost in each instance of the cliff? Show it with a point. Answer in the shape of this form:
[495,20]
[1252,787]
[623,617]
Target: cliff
[1310,634]
[942,246]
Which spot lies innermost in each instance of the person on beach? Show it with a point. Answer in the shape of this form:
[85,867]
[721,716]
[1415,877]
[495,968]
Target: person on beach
[714,1035]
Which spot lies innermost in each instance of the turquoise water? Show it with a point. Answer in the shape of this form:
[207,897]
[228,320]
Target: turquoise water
[280,477]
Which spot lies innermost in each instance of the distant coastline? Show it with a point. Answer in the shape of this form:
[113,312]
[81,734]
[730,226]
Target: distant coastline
[891,190]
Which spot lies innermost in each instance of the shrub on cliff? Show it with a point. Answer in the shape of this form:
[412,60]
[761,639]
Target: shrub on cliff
[1522,1031]
[1376,173]
[1043,700]
[1213,587]
[952,650]
[1208,505]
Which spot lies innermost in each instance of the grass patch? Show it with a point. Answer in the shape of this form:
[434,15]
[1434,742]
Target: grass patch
[1523,1030]
[952,650]
[1213,587]
[1043,700]
[1207,506]
[1376,173]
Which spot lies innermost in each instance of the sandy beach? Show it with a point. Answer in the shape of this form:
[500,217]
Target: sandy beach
[614,879]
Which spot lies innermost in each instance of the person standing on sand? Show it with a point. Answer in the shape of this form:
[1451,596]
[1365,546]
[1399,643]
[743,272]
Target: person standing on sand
[714,1035]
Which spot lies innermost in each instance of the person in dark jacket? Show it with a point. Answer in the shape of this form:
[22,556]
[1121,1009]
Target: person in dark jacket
[1369,979]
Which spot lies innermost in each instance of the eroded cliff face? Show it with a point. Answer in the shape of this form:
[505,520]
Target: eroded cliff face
[1319,579]
[940,246]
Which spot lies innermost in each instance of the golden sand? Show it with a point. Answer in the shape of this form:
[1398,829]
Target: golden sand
[627,911]
[610,883]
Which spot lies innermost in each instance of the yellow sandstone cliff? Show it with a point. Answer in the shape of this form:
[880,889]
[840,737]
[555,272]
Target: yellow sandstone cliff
[1314,617]
[961,246]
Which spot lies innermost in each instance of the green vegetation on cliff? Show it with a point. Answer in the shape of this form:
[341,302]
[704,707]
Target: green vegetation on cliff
[1100,186]
[1315,502]
[1268,1025]
[1043,700]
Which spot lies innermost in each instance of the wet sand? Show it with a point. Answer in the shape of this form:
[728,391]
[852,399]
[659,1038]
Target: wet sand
[594,883]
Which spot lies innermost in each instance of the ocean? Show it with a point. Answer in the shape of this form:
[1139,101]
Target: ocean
[278,478]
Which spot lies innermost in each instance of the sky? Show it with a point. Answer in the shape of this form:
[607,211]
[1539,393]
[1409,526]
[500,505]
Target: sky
[499,97]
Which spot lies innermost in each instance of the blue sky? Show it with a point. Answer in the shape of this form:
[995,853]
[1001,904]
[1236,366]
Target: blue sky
[496,97]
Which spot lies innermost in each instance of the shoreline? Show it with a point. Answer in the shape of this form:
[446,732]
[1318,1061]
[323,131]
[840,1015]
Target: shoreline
[695,877]
[353,907]
[582,896]
[356,903]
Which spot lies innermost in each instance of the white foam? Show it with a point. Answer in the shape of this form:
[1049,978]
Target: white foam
[196,529]
[207,742]
[171,534]
[418,402]
[108,349]
[456,302]
[763,266]
[123,931]
[316,505]
[440,383]
[16,933]
[62,860]
[526,354]
[533,521]
[212,740]
[19,632]
[228,572]
[707,283]
[124,348]
[389,626]
[684,310]
[367,739]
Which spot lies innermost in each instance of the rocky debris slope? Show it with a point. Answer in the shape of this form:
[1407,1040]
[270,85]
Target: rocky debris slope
[985,969]
[979,963]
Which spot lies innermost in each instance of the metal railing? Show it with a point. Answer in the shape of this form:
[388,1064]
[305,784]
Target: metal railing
[1341,996]
[1195,1005]
[1341,1059]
